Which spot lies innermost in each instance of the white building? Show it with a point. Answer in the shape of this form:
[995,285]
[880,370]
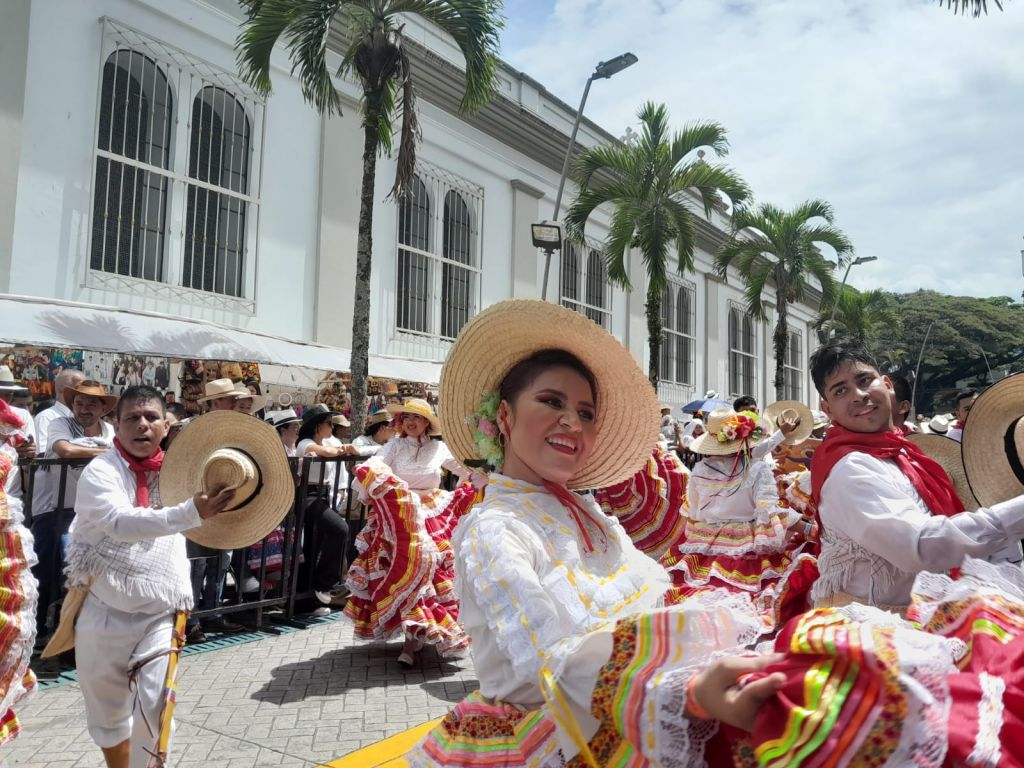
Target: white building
[139,172]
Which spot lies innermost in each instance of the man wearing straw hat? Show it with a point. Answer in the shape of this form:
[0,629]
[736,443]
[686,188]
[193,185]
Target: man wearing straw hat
[127,554]
[220,395]
[887,511]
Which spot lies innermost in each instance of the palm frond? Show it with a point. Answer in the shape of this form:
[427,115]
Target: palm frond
[621,234]
[976,7]
[410,135]
[696,136]
[710,182]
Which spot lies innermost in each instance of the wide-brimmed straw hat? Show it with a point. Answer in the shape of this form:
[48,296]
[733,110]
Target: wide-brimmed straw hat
[710,444]
[243,453]
[791,409]
[993,442]
[7,382]
[419,407]
[340,420]
[939,425]
[259,402]
[628,418]
[282,418]
[946,451]
[91,388]
[218,388]
[377,417]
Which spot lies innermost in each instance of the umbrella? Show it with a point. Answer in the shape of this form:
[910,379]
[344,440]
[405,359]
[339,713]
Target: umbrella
[705,405]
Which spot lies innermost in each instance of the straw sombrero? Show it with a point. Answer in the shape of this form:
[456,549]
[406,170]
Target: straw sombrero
[244,453]
[376,418]
[259,402]
[789,408]
[709,443]
[946,451]
[419,407]
[495,340]
[90,388]
[218,388]
[993,442]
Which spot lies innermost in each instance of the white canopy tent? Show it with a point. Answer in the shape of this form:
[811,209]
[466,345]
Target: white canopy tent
[42,322]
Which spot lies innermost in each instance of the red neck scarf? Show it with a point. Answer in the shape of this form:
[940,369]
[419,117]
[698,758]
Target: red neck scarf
[140,467]
[927,475]
[578,512]
[959,424]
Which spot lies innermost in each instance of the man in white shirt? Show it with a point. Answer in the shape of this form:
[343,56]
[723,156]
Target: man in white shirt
[59,410]
[129,552]
[83,435]
[964,402]
[887,511]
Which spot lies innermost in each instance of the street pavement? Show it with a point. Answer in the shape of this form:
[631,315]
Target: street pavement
[299,699]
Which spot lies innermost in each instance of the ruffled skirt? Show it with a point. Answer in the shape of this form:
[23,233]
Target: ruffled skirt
[18,597]
[402,580]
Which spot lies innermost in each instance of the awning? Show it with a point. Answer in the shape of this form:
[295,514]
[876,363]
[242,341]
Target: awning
[42,322]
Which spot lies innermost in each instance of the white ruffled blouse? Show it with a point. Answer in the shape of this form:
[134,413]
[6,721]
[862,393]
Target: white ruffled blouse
[419,463]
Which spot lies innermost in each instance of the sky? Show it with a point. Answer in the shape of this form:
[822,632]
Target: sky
[907,118]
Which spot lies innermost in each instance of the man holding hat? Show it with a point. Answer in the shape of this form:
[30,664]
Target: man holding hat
[887,511]
[83,435]
[127,551]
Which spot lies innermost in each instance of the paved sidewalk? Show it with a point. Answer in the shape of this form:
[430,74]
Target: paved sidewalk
[299,699]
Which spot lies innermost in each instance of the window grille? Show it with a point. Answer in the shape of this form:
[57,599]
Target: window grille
[438,282]
[742,353]
[175,206]
[583,279]
[678,339]
[793,367]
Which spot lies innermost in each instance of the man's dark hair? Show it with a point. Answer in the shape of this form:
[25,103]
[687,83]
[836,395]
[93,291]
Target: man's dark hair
[963,394]
[903,389]
[744,403]
[376,427]
[177,409]
[138,394]
[829,356]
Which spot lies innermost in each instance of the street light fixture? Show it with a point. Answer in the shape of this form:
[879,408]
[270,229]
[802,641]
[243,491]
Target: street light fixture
[835,304]
[602,71]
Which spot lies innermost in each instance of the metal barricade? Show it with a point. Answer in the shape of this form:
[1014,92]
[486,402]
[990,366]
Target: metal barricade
[282,570]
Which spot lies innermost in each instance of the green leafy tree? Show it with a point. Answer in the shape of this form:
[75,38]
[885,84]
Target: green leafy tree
[770,244]
[653,187]
[862,316]
[375,55]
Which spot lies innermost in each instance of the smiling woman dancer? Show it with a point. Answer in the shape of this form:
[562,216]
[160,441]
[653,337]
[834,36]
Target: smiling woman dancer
[550,588]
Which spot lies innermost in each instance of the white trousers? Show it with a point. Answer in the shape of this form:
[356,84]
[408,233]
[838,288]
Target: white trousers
[108,643]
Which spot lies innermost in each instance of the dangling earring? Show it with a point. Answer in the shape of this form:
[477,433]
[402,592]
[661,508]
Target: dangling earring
[501,439]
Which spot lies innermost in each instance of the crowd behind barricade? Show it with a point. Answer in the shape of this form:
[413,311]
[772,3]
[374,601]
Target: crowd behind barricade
[559,558]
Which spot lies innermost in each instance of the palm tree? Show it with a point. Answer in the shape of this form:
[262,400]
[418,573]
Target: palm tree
[375,53]
[859,316]
[976,7]
[768,243]
[651,184]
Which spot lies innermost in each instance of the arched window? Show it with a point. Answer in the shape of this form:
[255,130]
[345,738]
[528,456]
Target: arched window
[666,365]
[457,281]
[570,276]
[583,283]
[677,341]
[597,288]
[742,353]
[793,367]
[414,260]
[129,221]
[216,208]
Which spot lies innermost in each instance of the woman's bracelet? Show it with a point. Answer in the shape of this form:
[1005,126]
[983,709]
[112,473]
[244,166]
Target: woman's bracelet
[693,708]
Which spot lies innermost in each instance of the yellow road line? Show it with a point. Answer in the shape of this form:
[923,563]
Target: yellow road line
[388,753]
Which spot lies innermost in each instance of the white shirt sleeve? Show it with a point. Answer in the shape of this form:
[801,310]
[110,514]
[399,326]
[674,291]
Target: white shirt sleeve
[859,501]
[102,504]
[763,449]
[450,463]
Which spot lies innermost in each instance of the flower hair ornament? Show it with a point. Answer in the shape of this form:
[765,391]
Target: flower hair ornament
[486,437]
[745,426]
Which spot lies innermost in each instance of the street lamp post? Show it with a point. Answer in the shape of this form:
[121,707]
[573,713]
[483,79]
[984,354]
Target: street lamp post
[602,71]
[835,304]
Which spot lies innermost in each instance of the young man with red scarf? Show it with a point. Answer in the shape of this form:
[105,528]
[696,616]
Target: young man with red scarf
[129,552]
[964,402]
[886,510]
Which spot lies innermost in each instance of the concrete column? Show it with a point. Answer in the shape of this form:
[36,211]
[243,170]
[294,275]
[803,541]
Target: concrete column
[14,32]
[527,261]
[716,352]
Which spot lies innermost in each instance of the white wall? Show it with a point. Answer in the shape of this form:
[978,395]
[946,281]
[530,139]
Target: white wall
[55,182]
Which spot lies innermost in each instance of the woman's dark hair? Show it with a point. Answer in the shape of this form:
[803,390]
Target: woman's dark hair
[828,357]
[376,427]
[309,427]
[523,373]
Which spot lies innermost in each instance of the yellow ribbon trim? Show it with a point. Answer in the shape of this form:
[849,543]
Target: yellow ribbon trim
[559,707]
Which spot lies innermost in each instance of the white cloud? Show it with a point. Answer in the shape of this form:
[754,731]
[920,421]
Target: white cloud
[908,119]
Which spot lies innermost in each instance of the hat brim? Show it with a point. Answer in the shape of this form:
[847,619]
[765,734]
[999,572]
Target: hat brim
[709,445]
[181,477]
[947,452]
[109,401]
[259,402]
[988,440]
[435,423]
[628,417]
[803,429]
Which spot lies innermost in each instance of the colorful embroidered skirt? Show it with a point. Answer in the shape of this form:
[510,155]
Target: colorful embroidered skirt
[651,504]
[402,580]
[18,597]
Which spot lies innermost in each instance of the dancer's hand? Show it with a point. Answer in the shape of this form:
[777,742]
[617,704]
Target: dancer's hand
[788,421]
[718,692]
[214,502]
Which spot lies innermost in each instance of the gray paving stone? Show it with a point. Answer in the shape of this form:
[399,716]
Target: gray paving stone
[297,700]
